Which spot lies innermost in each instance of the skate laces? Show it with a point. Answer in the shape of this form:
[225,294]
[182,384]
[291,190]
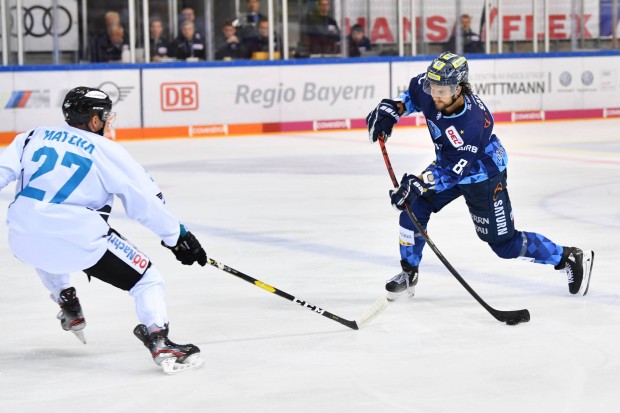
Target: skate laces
[568,270]
[401,278]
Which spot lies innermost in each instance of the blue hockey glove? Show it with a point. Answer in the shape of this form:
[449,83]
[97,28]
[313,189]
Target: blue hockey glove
[383,118]
[410,188]
[188,250]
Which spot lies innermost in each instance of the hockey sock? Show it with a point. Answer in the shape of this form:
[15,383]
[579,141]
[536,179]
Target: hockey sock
[541,249]
[149,297]
[411,246]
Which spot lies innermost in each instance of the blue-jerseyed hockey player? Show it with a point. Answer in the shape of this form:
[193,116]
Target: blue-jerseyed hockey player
[470,162]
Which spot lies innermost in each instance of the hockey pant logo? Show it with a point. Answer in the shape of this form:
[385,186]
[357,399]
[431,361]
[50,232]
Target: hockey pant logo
[490,209]
[128,253]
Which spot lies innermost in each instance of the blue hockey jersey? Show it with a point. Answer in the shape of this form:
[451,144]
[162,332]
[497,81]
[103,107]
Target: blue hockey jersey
[466,149]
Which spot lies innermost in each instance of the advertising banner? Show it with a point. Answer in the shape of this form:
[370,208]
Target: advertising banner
[533,84]
[435,20]
[28,99]
[242,94]
[39,22]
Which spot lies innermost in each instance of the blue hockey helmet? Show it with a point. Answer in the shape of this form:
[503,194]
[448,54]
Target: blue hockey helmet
[448,69]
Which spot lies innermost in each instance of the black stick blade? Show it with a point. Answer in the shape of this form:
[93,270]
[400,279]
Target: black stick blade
[512,318]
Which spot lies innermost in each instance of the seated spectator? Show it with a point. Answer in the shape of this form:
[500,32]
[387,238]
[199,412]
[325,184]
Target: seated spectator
[260,42]
[249,20]
[188,14]
[357,41]
[111,19]
[231,47]
[189,44]
[319,31]
[110,49]
[471,40]
[159,43]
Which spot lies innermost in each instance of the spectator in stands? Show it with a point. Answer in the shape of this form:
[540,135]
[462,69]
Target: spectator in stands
[319,31]
[101,39]
[357,41]
[471,40]
[110,48]
[159,43]
[249,20]
[253,14]
[112,18]
[188,14]
[231,47]
[189,44]
[260,43]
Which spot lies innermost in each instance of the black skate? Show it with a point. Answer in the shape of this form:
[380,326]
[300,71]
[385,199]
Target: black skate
[170,356]
[403,284]
[70,315]
[577,265]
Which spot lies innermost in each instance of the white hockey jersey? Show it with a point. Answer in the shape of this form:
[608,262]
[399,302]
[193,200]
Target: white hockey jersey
[65,175]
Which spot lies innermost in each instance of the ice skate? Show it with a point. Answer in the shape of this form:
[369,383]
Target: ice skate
[402,284]
[172,357]
[70,315]
[577,265]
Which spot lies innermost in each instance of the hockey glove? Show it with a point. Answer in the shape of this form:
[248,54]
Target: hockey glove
[410,188]
[188,250]
[383,118]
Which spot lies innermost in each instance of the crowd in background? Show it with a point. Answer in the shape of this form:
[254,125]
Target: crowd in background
[245,36]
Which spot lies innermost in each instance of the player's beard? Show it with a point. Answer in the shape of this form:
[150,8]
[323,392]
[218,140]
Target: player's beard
[441,106]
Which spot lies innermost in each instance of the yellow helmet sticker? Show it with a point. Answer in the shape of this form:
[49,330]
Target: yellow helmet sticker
[448,56]
[438,65]
[433,76]
[458,62]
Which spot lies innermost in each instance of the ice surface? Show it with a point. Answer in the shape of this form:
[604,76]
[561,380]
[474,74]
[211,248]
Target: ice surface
[309,214]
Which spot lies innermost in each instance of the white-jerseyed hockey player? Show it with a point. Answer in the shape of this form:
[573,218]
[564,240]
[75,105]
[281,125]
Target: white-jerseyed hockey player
[67,179]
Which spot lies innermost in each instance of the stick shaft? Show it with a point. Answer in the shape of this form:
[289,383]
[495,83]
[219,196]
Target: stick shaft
[315,309]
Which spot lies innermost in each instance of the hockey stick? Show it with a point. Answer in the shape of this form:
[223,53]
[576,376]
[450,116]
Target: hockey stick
[508,317]
[379,305]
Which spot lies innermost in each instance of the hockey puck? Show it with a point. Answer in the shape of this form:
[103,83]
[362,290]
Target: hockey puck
[513,322]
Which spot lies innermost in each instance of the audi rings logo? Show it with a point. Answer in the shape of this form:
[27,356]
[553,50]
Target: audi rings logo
[38,21]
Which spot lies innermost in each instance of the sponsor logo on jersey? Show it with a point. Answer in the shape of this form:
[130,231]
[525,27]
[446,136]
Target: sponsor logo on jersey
[454,137]
[487,121]
[470,148]
[128,253]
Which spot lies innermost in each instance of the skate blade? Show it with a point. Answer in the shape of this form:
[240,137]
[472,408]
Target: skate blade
[409,292]
[170,366]
[588,261]
[80,335]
